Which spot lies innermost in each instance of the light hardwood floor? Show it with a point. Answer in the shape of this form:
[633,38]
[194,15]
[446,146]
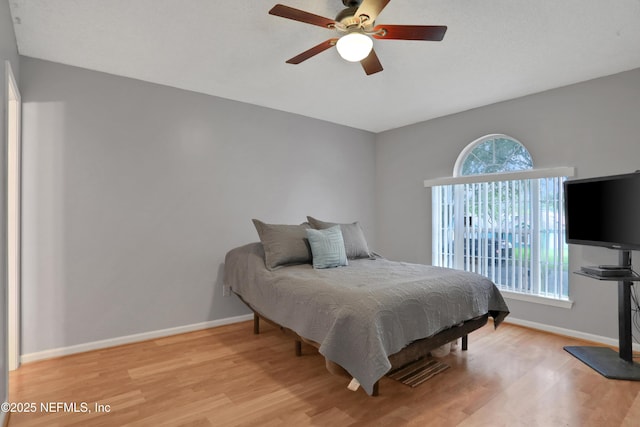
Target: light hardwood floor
[511,376]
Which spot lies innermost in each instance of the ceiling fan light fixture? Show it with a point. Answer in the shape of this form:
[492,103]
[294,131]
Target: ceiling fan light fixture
[354,47]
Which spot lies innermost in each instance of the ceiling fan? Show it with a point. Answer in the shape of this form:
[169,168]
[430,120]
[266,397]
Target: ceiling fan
[356,25]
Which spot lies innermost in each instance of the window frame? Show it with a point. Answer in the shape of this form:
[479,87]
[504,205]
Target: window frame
[457,178]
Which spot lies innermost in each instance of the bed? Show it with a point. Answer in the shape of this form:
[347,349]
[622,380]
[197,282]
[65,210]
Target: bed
[367,317]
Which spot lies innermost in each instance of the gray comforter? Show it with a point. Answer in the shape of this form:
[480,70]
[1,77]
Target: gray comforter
[364,312]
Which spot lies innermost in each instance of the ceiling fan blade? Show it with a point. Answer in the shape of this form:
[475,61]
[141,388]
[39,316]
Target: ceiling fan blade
[371,8]
[371,63]
[313,51]
[301,16]
[410,32]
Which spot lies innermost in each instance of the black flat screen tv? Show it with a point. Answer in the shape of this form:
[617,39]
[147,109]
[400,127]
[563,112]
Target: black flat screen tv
[604,211]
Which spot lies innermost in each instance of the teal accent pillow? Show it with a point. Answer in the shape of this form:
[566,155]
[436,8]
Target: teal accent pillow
[327,247]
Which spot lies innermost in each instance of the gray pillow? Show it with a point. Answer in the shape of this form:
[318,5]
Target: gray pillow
[283,244]
[354,240]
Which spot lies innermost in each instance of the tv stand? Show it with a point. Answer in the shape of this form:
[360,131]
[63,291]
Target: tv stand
[618,366]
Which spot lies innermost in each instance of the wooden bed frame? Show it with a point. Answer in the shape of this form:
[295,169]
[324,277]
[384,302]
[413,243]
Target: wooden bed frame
[412,352]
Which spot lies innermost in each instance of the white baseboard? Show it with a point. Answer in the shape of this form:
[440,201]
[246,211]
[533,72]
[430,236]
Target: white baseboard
[568,332]
[128,339]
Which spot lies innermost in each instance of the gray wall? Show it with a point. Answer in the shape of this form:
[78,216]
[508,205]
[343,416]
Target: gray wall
[8,51]
[594,126]
[134,192]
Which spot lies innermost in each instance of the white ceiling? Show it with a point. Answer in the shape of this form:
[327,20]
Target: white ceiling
[493,50]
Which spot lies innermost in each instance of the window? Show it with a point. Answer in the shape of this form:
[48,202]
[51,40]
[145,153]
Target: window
[500,217]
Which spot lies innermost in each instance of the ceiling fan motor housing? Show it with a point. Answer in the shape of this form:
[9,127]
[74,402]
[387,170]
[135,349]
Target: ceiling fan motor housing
[347,17]
[351,3]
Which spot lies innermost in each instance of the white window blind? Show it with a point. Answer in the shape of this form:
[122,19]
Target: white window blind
[509,230]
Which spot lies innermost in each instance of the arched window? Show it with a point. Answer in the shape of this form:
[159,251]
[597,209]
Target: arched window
[499,217]
[492,154]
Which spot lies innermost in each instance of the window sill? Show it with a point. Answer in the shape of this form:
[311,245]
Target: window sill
[536,299]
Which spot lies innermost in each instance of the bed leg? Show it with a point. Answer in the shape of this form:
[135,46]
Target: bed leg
[375,388]
[256,324]
[465,342]
[298,348]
